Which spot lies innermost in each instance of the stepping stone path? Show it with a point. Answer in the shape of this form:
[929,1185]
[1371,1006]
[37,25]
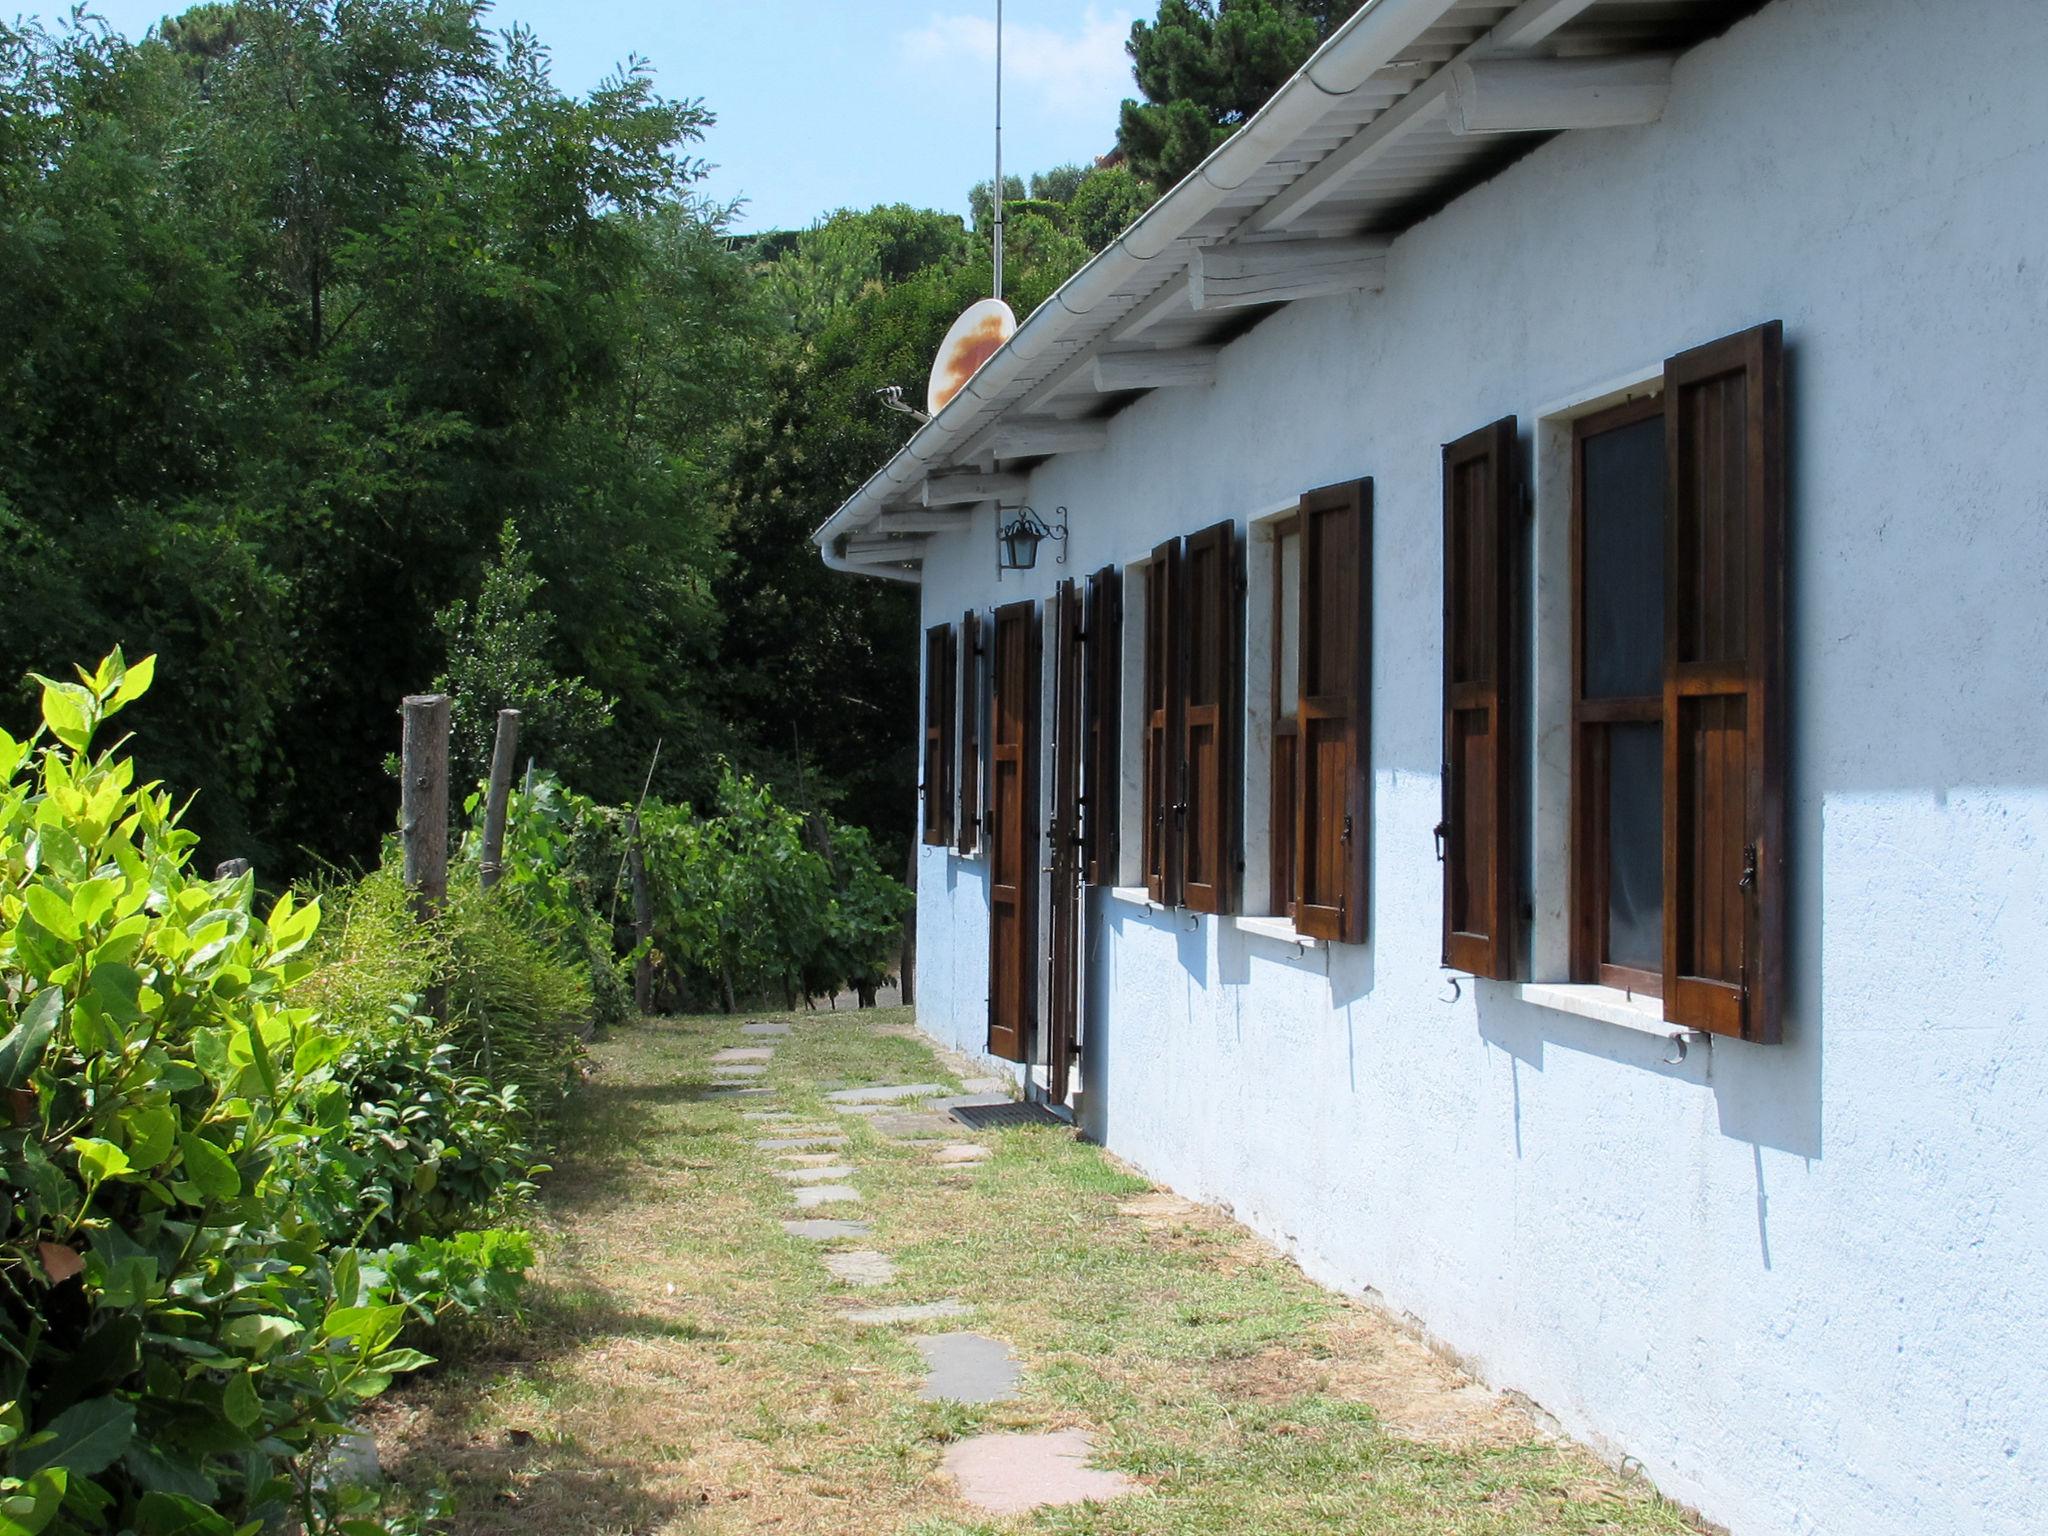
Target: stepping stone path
[861,1266]
[923,1312]
[743,1053]
[823,1230]
[809,1159]
[912,1125]
[886,1093]
[824,1194]
[963,1152]
[814,1175]
[798,1143]
[764,1031]
[966,1368]
[738,1069]
[1009,1474]
[986,1085]
[721,1090]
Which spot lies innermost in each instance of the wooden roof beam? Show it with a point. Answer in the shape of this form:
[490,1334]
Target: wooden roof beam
[964,487]
[1277,271]
[1177,368]
[882,551]
[1556,95]
[923,520]
[1032,439]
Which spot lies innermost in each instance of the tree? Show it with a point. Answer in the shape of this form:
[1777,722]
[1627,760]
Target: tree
[1204,66]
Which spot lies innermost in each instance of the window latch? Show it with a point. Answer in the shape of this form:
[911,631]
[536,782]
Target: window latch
[1345,835]
[1748,880]
[1438,832]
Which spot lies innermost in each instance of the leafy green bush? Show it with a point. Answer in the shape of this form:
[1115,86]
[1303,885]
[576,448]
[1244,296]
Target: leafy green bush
[176,1332]
[756,897]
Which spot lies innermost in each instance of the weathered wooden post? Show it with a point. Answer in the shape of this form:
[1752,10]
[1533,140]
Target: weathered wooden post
[492,864]
[643,920]
[231,869]
[910,935]
[423,818]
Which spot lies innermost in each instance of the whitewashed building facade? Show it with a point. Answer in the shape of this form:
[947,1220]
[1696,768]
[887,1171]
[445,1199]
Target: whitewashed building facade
[1538,799]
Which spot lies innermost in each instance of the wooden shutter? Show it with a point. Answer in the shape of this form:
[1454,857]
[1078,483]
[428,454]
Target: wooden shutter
[1212,682]
[1482,494]
[1162,724]
[970,732]
[1332,811]
[1724,696]
[1015,840]
[1101,789]
[1063,1005]
[939,653]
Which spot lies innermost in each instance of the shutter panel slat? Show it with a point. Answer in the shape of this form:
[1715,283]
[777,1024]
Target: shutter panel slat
[1481,495]
[939,670]
[1102,791]
[1724,696]
[969,828]
[1332,799]
[1162,830]
[1211,682]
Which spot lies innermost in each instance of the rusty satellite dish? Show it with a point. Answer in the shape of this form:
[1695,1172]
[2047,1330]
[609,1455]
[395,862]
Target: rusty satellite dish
[982,327]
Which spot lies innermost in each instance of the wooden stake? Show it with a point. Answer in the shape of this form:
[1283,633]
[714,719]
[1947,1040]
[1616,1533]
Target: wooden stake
[492,864]
[423,817]
[643,921]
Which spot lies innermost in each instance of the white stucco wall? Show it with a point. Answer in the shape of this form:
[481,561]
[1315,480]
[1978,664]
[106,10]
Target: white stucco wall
[1805,1285]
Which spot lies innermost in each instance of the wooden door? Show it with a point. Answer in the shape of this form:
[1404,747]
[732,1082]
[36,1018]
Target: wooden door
[1063,1007]
[1013,832]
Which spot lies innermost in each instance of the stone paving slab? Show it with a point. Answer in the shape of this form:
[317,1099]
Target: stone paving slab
[884,1093]
[823,1229]
[733,1091]
[825,1174]
[970,1100]
[738,1069]
[797,1143]
[1009,1474]
[966,1368]
[764,1031]
[861,1266]
[912,1125]
[766,1114]
[963,1152]
[743,1053]
[922,1312]
[808,1159]
[1000,1085]
[824,1194]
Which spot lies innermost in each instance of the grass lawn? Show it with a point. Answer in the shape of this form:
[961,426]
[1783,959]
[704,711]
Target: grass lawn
[687,1367]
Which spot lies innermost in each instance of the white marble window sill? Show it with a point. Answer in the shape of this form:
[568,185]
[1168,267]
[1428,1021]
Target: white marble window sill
[1609,1005]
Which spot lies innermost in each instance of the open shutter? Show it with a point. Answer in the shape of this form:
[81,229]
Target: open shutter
[938,735]
[1724,698]
[1332,815]
[1162,724]
[1212,681]
[969,828]
[1101,791]
[1481,495]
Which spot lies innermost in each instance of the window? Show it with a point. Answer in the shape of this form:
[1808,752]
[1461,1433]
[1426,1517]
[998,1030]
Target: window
[1659,829]
[1286,713]
[970,731]
[941,660]
[1193,778]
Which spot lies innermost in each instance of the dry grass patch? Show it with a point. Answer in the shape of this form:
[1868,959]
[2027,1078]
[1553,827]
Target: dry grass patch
[687,1367]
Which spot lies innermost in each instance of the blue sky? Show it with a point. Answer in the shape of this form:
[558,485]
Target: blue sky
[825,104]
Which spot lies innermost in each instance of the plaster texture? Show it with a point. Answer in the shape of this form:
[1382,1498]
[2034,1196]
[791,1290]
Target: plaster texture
[1805,1285]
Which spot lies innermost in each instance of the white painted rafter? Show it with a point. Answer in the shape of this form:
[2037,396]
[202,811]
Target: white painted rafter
[1556,95]
[1276,271]
[1032,439]
[1178,368]
[965,487]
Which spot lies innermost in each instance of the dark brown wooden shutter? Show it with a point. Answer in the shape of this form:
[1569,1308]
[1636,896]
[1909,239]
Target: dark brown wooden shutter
[1162,724]
[1102,791]
[938,734]
[1212,681]
[1482,493]
[1724,695]
[1015,839]
[1332,829]
[1063,1003]
[969,829]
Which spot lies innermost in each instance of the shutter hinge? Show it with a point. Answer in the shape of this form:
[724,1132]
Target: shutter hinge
[1440,831]
[1748,880]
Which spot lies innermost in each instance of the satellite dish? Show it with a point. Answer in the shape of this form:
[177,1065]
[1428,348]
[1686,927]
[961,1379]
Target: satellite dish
[983,327]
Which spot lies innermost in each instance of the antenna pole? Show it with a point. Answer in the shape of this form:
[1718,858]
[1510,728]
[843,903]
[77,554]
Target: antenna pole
[999,149]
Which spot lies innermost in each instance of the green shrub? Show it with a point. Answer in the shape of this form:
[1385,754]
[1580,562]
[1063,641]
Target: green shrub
[518,1010]
[176,1333]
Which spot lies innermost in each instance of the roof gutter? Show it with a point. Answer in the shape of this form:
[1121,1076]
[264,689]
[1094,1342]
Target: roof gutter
[1365,44]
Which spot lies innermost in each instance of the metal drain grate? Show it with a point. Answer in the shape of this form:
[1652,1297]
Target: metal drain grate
[994,1117]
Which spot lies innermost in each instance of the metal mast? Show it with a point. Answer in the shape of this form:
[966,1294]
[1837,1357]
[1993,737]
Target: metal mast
[999,149]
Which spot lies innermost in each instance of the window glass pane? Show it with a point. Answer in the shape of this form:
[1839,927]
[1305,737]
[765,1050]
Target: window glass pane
[1290,626]
[1635,846]
[1624,573]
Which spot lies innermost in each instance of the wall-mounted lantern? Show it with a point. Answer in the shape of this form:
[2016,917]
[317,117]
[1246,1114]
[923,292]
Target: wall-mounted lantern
[1017,540]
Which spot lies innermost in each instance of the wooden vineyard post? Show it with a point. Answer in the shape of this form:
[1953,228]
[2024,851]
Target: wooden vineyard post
[492,864]
[643,921]
[423,817]
[231,869]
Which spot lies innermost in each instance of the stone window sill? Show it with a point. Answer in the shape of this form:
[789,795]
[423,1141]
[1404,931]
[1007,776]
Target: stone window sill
[1608,1005]
[1262,927]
